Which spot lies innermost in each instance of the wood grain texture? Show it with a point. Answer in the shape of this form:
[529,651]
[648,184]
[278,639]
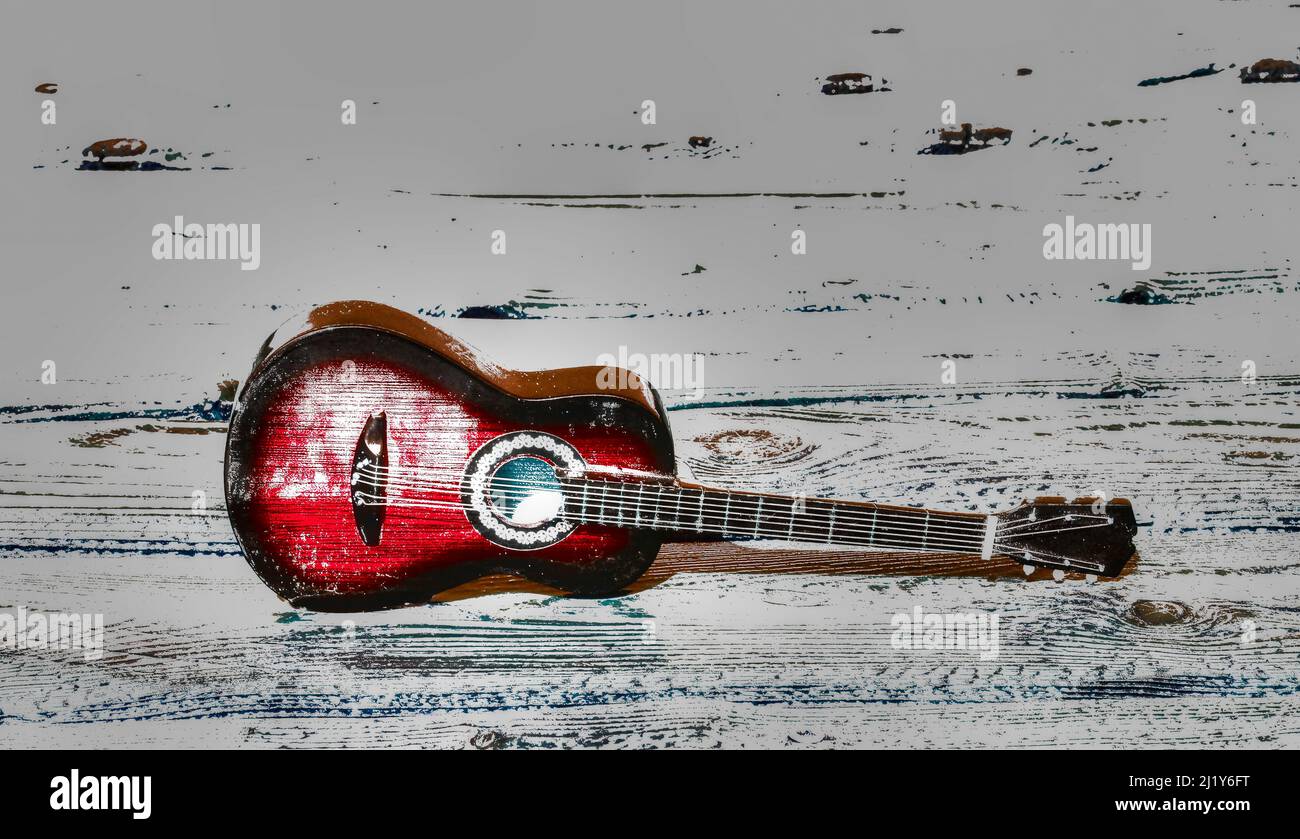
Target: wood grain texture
[747,647]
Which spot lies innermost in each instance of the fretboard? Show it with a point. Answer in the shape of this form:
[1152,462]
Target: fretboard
[683,509]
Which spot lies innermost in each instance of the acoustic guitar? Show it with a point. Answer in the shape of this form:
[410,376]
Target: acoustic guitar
[373,461]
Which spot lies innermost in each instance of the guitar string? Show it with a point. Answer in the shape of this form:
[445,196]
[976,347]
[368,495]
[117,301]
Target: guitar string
[621,521]
[1018,526]
[945,544]
[1066,560]
[886,532]
[670,515]
[660,510]
[939,521]
[901,522]
[660,513]
[702,526]
[955,522]
[658,505]
[960,546]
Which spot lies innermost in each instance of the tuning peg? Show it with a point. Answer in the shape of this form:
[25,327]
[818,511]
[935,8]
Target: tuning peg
[1092,578]
[1028,569]
[1058,575]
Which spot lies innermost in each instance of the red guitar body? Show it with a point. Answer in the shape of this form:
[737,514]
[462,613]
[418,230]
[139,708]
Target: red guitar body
[294,433]
[373,461]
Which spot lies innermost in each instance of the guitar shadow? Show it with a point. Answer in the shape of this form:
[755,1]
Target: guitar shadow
[717,557]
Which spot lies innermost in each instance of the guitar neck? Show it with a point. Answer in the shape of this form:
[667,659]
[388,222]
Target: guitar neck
[686,510]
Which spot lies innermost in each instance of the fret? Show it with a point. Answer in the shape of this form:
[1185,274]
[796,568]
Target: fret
[699,521]
[726,515]
[794,502]
[894,531]
[582,514]
[604,502]
[861,523]
[640,493]
[659,503]
[677,515]
[830,531]
[925,532]
[719,515]
[745,515]
[807,523]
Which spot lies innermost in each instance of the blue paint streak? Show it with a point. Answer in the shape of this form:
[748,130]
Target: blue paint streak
[210,410]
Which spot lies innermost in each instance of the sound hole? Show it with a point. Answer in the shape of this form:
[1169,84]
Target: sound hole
[525,492]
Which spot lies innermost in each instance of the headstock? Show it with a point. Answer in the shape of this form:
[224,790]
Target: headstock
[1089,535]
